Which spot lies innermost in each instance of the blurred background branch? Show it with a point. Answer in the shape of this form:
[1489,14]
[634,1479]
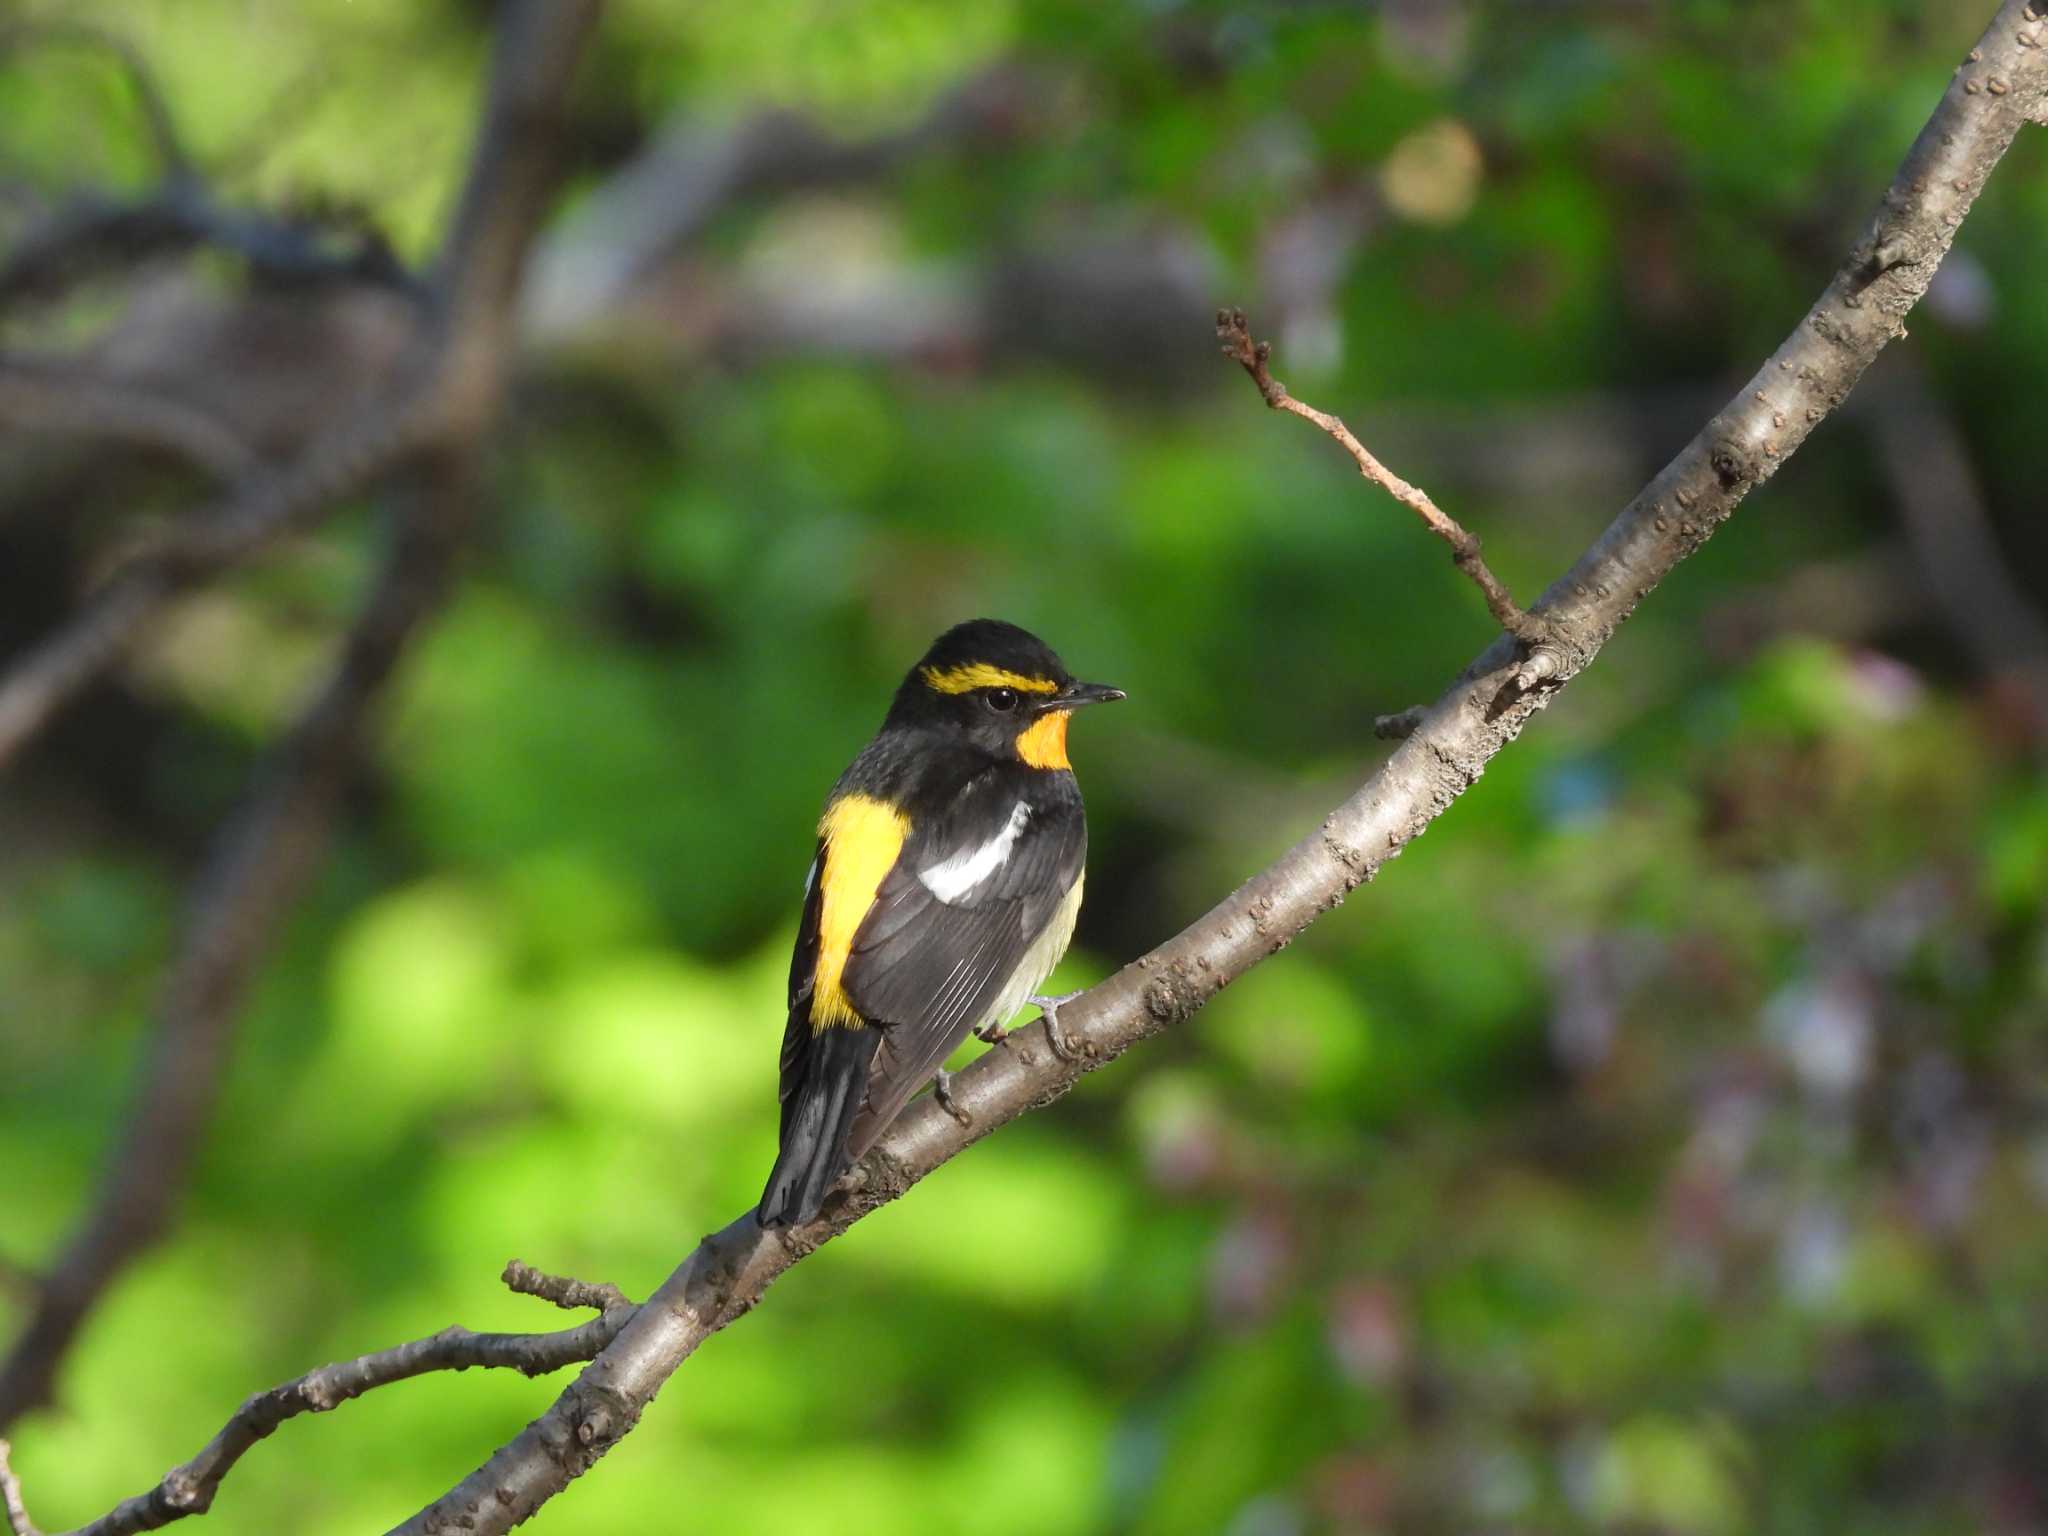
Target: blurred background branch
[55,395]
[261,863]
[269,851]
[1952,540]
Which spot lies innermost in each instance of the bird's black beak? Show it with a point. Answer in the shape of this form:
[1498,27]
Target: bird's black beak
[1076,694]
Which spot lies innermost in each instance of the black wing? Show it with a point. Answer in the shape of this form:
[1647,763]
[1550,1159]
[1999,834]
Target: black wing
[824,1080]
[803,968]
[937,949]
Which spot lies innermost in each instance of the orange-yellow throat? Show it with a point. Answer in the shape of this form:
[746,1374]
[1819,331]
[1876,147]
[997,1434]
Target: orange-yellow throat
[1044,743]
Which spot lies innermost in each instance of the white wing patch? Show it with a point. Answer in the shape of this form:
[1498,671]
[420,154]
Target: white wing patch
[969,867]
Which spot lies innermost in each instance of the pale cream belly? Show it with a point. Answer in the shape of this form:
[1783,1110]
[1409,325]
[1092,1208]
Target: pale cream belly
[1038,961]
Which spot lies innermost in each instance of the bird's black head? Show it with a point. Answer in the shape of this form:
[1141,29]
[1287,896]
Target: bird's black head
[999,687]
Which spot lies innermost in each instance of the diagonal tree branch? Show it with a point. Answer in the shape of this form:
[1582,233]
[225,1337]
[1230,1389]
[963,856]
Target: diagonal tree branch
[97,230]
[93,234]
[2002,85]
[11,1506]
[189,1489]
[50,395]
[267,853]
[691,172]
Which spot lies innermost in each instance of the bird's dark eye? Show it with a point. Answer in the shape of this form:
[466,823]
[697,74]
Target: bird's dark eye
[1002,700]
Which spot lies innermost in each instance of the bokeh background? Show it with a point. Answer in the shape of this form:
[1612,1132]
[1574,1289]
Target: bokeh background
[1660,1146]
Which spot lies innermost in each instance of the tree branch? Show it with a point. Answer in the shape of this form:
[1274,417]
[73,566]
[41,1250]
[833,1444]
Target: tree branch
[1234,331]
[451,383]
[97,230]
[259,863]
[18,1521]
[94,232]
[569,1295]
[189,1489]
[268,852]
[1862,309]
[49,395]
[693,171]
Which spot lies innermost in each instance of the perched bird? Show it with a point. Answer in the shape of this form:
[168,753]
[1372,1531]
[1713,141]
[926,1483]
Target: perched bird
[945,889]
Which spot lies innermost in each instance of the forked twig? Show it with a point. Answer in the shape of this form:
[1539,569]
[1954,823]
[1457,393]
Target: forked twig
[189,1489]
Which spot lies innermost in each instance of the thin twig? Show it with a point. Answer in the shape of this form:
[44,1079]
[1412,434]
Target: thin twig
[95,230]
[189,1489]
[570,1295]
[18,1522]
[1234,331]
[692,170]
[295,100]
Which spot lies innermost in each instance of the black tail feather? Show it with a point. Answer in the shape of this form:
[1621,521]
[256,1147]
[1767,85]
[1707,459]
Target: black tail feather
[817,1114]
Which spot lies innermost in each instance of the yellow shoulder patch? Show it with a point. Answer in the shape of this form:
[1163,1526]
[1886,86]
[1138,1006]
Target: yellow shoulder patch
[862,838]
[1043,744]
[981,675]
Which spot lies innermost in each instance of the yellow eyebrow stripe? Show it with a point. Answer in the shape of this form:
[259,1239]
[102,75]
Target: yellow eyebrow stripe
[981,675]
[862,837]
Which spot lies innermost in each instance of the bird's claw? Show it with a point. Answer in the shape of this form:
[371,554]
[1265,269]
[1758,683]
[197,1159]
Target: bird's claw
[992,1033]
[942,1090]
[1049,1010]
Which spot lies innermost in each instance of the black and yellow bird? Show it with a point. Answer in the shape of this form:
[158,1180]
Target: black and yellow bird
[945,889]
